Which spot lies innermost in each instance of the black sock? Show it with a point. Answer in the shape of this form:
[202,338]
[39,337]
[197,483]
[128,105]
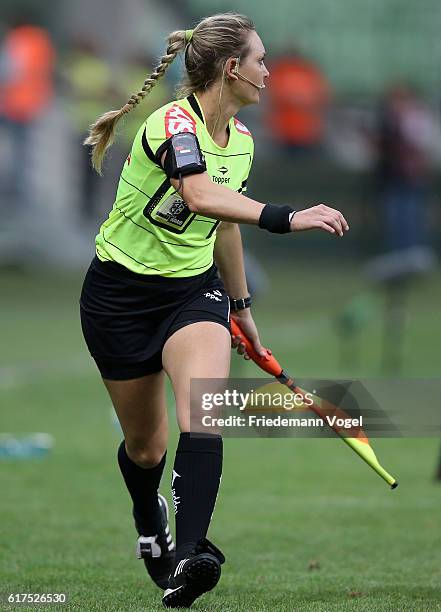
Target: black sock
[195,483]
[143,487]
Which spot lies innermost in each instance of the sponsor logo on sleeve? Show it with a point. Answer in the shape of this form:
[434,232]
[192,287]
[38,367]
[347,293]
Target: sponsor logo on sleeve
[241,128]
[178,120]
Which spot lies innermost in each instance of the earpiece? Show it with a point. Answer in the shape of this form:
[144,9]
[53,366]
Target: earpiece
[242,77]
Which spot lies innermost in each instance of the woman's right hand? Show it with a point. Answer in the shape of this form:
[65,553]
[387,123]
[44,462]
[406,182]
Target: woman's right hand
[319,217]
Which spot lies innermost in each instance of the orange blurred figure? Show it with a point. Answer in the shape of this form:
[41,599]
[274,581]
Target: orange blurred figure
[28,87]
[298,97]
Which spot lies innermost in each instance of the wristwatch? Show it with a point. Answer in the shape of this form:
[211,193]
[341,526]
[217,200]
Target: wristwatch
[240,303]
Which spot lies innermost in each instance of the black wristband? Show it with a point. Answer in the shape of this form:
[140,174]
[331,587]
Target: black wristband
[240,303]
[276,218]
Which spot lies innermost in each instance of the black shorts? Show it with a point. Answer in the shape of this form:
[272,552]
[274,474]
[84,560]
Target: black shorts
[127,317]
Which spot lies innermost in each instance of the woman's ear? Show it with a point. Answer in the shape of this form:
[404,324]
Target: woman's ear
[231,68]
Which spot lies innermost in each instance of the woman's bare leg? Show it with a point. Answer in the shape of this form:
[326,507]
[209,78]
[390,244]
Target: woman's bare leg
[141,408]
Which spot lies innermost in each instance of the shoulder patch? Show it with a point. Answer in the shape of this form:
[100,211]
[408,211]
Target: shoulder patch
[241,128]
[178,120]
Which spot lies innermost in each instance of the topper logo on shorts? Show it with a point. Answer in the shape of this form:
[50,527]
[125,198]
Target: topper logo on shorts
[240,127]
[178,120]
[216,295]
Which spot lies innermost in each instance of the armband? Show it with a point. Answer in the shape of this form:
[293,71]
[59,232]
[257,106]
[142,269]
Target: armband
[183,156]
[276,219]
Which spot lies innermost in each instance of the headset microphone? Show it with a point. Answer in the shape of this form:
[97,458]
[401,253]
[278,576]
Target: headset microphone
[244,78]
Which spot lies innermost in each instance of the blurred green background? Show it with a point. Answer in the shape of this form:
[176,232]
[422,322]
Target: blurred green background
[305,525]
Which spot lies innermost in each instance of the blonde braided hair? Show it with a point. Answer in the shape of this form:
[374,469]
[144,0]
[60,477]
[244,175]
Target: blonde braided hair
[102,132]
[207,47]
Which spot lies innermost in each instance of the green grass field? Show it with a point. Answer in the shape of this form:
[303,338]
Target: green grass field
[304,524]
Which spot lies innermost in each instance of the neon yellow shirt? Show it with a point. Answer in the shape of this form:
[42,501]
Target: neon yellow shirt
[150,229]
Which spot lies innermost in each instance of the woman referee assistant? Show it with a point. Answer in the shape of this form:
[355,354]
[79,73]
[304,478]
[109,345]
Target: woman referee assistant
[152,301]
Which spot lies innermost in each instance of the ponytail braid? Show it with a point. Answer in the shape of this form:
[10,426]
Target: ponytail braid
[102,132]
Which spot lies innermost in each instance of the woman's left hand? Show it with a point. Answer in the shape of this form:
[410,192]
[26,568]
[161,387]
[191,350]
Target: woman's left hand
[246,323]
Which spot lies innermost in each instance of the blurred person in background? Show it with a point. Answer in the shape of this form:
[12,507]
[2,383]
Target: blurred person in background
[27,60]
[403,141]
[405,131]
[93,86]
[152,301]
[297,102]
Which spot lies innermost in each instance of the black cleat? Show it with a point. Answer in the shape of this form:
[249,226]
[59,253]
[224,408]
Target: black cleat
[198,573]
[157,551]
